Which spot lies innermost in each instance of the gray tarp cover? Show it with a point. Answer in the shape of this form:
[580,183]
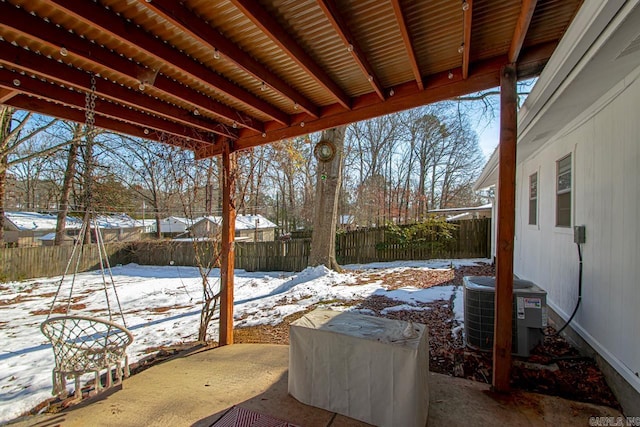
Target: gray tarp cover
[368,368]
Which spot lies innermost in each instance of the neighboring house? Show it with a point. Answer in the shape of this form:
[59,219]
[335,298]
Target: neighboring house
[33,228]
[207,226]
[455,214]
[249,228]
[175,225]
[119,228]
[26,228]
[148,225]
[579,164]
[255,228]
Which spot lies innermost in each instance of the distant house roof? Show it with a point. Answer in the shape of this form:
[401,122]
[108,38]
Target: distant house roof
[207,239]
[217,220]
[250,222]
[458,216]
[462,209]
[178,219]
[455,214]
[177,224]
[243,222]
[31,221]
[118,221]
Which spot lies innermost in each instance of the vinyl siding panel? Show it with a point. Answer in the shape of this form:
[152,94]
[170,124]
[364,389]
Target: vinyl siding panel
[606,198]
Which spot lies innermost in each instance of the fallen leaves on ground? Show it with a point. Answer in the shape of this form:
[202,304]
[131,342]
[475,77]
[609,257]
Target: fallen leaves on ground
[576,377]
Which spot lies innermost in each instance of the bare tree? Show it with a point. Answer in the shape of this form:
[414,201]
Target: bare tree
[252,166]
[17,127]
[148,170]
[67,185]
[290,176]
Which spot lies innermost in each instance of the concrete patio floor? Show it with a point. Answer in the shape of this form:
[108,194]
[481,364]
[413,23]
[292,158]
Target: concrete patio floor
[197,389]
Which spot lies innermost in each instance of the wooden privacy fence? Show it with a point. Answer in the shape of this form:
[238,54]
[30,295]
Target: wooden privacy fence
[471,239]
[251,256]
[168,252]
[46,261]
[290,255]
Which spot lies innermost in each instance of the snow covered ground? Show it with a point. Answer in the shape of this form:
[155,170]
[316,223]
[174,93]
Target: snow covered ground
[162,306]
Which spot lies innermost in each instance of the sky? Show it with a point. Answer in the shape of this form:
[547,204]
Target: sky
[488,128]
[161,306]
[488,135]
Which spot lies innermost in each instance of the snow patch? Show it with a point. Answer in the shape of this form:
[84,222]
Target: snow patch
[162,306]
[402,307]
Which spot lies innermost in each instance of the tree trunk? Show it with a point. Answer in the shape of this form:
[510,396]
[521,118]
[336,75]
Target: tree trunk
[323,241]
[3,184]
[69,173]
[5,128]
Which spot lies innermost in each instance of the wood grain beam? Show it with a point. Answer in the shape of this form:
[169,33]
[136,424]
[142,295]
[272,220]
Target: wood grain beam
[190,23]
[466,38]
[33,27]
[336,20]
[272,28]
[408,45]
[227,257]
[42,106]
[522,26]
[6,94]
[485,75]
[33,63]
[52,92]
[108,22]
[502,339]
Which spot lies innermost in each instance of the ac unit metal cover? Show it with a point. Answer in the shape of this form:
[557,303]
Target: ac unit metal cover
[529,314]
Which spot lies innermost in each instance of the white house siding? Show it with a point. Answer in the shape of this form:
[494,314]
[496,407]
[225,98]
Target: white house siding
[606,199]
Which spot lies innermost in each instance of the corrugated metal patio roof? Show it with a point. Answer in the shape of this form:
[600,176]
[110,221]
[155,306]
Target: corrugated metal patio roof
[201,73]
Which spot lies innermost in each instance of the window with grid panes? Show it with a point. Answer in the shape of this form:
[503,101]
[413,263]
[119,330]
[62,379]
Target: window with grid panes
[533,199]
[563,192]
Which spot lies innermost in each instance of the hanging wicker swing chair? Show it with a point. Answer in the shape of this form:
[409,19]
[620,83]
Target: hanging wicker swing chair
[85,344]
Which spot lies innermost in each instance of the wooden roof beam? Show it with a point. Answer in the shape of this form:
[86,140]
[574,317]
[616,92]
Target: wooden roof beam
[42,106]
[406,38]
[108,22]
[33,27]
[188,22]
[331,11]
[33,63]
[485,75]
[6,94]
[53,92]
[270,26]
[522,26]
[466,38]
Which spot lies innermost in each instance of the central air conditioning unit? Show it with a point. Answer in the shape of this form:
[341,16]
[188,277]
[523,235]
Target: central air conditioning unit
[529,314]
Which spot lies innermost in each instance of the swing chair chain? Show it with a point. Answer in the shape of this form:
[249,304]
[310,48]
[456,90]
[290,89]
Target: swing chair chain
[90,106]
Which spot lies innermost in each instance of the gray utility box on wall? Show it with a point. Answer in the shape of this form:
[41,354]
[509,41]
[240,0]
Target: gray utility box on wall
[529,313]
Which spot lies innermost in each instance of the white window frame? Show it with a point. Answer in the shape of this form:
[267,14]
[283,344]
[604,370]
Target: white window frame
[564,173]
[534,198]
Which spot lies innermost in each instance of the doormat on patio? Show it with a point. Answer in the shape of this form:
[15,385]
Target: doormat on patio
[241,417]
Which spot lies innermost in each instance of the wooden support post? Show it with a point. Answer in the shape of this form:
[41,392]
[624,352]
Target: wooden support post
[227,256]
[506,229]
